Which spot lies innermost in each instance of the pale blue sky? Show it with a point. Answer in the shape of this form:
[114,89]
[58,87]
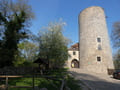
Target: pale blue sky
[52,10]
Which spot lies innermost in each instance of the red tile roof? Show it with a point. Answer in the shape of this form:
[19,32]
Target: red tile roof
[74,47]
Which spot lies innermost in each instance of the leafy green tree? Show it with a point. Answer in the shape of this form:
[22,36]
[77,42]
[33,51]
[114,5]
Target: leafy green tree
[116,43]
[27,53]
[14,18]
[28,50]
[53,45]
[117,60]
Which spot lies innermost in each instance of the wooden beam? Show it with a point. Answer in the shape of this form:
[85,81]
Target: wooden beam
[20,86]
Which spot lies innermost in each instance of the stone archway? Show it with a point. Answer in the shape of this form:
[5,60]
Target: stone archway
[75,63]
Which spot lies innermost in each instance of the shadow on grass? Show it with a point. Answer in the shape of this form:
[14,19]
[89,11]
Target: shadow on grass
[50,84]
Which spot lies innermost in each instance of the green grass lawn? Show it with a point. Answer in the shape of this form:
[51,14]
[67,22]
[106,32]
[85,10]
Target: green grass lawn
[46,83]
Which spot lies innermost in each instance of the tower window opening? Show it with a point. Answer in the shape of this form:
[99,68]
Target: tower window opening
[74,53]
[99,59]
[99,47]
[98,39]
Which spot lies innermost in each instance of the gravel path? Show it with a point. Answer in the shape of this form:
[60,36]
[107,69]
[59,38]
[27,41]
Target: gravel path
[96,81]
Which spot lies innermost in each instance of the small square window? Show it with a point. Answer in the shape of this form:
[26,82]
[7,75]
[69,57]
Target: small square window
[98,59]
[74,53]
[98,39]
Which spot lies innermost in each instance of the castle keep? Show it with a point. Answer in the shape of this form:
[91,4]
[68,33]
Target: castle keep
[94,47]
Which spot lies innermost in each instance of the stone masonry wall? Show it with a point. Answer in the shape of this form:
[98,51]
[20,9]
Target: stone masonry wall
[92,25]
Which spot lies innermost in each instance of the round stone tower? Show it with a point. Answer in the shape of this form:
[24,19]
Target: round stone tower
[95,51]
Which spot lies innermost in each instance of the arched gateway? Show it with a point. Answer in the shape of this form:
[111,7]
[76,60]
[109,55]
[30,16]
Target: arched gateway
[75,63]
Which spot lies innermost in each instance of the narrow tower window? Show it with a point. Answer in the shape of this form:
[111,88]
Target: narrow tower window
[98,59]
[74,53]
[99,47]
[98,39]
